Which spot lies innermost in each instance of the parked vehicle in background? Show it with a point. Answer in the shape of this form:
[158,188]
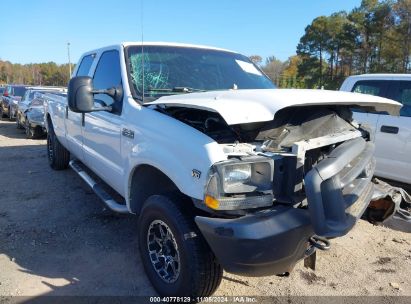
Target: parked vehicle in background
[2,89]
[11,96]
[30,110]
[224,170]
[391,134]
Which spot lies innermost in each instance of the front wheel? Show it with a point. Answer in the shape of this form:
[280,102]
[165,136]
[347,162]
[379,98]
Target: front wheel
[177,259]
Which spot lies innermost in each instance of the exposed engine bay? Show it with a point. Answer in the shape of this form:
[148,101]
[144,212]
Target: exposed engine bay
[290,125]
[278,138]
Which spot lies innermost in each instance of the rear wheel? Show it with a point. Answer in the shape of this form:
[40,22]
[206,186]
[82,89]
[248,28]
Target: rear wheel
[177,259]
[58,156]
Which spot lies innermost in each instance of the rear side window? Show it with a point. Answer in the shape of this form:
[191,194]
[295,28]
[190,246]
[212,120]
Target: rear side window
[371,87]
[85,65]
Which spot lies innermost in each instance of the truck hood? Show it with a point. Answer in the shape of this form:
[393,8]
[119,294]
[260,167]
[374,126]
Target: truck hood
[247,106]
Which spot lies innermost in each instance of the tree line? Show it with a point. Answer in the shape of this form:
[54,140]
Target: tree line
[48,73]
[372,38]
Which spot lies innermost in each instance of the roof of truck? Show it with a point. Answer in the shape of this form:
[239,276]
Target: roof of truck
[381,76]
[149,43]
[177,44]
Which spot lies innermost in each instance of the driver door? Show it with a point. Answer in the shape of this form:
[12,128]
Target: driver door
[102,130]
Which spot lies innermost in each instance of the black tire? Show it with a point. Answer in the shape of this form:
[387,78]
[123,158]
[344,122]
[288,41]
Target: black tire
[3,115]
[199,272]
[58,156]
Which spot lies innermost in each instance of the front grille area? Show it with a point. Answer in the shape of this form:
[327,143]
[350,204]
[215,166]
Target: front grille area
[339,188]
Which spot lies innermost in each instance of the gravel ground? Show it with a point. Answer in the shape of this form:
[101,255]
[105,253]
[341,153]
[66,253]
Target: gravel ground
[56,238]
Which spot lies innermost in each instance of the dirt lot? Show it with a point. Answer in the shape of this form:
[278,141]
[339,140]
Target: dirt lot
[57,239]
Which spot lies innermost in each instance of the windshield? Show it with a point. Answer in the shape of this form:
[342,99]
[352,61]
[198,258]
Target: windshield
[176,70]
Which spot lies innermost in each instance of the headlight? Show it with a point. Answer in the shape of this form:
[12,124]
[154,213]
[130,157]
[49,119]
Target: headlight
[236,175]
[240,184]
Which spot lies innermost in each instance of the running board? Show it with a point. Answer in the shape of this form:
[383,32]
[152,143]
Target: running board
[98,190]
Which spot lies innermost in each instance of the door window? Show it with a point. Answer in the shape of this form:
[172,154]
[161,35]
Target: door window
[106,76]
[371,87]
[402,93]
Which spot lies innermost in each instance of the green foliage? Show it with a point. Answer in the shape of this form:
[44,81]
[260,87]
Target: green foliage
[373,38]
[283,74]
[273,69]
[34,74]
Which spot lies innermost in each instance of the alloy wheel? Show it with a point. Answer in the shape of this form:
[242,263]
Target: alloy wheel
[163,251]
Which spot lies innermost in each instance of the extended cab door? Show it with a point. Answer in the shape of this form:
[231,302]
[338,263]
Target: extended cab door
[74,121]
[102,130]
[393,137]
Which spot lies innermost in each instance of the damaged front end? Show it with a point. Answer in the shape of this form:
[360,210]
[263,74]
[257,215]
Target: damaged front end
[287,185]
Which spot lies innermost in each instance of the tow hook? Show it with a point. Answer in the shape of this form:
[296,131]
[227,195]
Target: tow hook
[315,242]
[320,242]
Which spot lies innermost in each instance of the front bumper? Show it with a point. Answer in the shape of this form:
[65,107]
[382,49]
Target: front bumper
[271,241]
[265,243]
[339,188]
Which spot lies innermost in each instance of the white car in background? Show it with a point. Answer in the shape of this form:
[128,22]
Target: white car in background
[391,134]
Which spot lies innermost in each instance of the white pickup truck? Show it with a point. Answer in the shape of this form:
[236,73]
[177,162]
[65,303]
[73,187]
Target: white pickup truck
[224,170]
[390,134]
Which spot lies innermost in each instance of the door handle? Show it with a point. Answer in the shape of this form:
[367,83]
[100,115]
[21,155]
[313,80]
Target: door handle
[389,129]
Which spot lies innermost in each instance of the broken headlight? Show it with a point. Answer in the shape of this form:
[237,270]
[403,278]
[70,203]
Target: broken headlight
[240,184]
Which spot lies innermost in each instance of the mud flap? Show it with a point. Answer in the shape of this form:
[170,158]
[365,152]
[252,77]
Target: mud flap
[387,202]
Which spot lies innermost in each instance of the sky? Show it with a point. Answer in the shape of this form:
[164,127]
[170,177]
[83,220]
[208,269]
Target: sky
[38,31]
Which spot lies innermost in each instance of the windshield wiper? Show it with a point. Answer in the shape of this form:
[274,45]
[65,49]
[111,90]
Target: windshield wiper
[176,90]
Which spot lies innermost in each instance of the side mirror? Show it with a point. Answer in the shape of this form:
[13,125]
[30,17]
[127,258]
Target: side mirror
[80,94]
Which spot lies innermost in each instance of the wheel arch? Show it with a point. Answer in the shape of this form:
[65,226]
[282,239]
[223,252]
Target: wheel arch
[49,122]
[146,180]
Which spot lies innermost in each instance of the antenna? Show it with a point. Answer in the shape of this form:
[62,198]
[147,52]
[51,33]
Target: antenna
[68,55]
[142,44]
